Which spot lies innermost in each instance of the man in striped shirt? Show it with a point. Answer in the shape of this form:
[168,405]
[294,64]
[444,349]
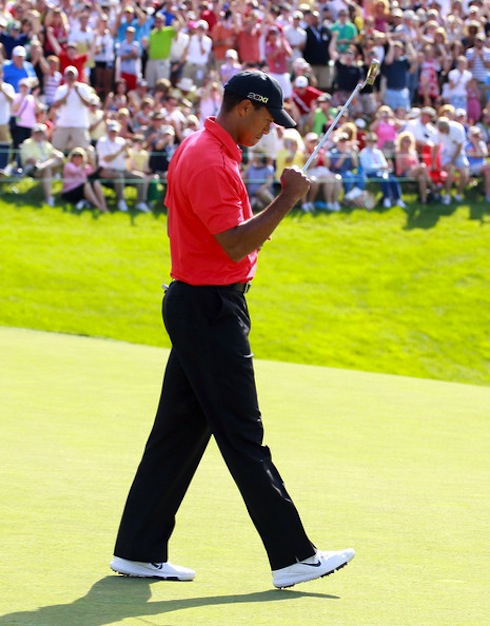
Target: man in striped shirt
[479,63]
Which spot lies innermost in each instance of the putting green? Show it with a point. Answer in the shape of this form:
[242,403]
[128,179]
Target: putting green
[398,468]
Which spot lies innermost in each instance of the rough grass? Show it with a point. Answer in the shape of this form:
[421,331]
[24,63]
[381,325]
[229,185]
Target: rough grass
[386,291]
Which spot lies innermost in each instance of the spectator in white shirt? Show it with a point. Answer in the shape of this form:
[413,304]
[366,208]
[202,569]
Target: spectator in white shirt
[452,138]
[104,57]
[296,36]
[455,92]
[129,53]
[112,152]
[424,131]
[375,166]
[177,51]
[479,63]
[82,36]
[197,55]
[72,99]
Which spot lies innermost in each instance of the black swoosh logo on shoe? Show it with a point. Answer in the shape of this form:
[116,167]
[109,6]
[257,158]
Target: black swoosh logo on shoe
[157,565]
[317,564]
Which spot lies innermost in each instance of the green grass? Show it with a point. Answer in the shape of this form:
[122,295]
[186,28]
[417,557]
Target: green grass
[384,291]
[396,467]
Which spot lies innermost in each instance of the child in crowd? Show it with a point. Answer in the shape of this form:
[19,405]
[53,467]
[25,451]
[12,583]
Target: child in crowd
[428,89]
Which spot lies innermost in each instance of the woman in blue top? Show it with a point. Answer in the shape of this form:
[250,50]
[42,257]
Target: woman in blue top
[343,159]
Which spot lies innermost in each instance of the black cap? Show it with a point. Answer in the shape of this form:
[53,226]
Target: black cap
[259,87]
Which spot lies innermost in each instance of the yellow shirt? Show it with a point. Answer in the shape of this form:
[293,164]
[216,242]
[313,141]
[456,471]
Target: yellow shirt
[138,160]
[283,160]
[36,150]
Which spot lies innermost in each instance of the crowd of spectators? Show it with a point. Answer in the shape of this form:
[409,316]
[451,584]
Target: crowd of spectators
[101,92]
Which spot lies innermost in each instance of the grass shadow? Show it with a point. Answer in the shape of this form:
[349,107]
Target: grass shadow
[425,216]
[114,598]
[422,216]
[479,212]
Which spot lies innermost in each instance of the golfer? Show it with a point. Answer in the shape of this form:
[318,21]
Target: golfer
[209,386]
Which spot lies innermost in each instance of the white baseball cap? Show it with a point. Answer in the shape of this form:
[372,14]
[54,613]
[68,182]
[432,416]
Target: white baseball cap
[301,81]
[19,51]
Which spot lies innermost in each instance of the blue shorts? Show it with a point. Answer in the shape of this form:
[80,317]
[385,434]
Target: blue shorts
[395,98]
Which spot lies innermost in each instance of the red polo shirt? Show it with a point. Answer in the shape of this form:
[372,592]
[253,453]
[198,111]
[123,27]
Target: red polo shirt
[206,196]
[304,98]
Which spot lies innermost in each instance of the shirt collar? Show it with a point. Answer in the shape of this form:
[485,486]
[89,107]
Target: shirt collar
[224,138]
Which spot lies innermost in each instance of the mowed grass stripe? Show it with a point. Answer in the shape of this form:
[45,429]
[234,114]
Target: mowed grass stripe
[396,467]
[381,291]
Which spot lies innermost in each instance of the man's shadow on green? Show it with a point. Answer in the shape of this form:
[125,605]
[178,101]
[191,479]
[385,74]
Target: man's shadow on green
[114,598]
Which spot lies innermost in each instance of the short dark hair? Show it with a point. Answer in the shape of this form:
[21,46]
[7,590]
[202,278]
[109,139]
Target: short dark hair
[231,100]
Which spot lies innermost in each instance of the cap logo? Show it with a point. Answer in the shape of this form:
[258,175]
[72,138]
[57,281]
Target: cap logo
[257,97]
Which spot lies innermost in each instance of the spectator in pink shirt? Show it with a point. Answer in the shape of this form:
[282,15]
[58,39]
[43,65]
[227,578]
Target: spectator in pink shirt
[278,55]
[78,187]
[25,107]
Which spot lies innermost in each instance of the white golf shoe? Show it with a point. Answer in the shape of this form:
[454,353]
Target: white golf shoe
[319,565]
[139,569]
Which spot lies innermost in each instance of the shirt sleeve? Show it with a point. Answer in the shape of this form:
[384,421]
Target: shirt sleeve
[217,197]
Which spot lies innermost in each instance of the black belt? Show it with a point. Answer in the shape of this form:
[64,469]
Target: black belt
[240,287]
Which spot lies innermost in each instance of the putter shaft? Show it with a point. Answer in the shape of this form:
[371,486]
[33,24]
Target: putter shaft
[369,80]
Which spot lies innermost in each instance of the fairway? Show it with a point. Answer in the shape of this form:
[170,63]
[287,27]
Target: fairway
[398,468]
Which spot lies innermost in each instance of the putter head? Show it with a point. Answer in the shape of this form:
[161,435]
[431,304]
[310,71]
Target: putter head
[372,72]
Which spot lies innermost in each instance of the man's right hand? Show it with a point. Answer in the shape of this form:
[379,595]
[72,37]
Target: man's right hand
[294,184]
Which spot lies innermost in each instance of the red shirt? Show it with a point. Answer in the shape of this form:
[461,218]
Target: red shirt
[78,62]
[277,58]
[304,98]
[205,196]
[248,46]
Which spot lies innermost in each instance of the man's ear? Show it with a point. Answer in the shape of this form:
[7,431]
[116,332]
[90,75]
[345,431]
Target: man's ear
[245,108]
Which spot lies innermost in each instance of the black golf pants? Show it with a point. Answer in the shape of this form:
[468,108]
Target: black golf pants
[208,389]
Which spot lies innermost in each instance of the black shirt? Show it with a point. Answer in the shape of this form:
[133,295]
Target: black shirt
[315,51]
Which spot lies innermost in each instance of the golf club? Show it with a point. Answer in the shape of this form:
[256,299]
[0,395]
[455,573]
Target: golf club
[369,80]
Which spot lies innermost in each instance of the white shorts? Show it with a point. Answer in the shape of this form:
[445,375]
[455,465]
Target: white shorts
[320,172]
[476,168]
[461,161]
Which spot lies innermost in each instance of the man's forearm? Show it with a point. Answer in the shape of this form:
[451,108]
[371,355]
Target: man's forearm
[250,235]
